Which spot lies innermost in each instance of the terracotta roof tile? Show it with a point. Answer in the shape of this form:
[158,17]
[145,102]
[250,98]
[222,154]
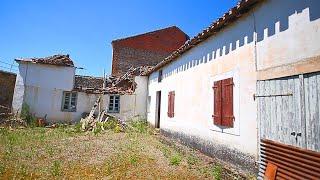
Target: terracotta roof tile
[58,60]
[231,15]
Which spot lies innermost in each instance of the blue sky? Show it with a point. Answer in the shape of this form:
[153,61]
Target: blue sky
[85,28]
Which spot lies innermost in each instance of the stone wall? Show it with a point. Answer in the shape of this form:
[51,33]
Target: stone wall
[7,83]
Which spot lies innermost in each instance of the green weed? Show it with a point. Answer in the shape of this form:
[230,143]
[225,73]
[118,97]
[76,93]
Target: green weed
[175,159]
[56,168]
[217,172]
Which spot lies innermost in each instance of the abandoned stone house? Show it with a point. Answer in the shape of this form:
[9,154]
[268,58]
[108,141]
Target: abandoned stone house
[52,90]
[245,89]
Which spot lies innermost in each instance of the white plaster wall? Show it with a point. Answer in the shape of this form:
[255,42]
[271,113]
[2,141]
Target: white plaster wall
[232,53]
[192,76]
[141,93]
[136,104]
[35,83]
[288,31]
[42,86]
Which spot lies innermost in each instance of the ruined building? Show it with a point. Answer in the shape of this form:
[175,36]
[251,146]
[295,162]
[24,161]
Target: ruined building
[146,49]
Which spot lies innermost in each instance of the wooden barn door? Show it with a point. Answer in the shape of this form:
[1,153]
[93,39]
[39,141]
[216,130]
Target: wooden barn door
[281,110]
[312,110]
[289,126]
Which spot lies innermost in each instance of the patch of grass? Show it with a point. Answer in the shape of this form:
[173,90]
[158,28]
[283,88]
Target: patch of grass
[217,172]
[192,160]
[175,159]
[139,126]
[22,170]
[63,153]
[2,168]
[133,159]
[165,150]
[56,168]
[49,150]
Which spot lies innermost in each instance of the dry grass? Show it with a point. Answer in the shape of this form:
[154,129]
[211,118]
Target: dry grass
[66,153]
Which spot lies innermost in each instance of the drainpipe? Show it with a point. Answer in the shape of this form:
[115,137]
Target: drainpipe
[256,70]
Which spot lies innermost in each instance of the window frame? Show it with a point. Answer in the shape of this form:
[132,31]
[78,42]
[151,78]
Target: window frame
[69,109]
[114,110]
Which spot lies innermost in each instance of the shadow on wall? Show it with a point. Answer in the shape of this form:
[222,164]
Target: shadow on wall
[270,18]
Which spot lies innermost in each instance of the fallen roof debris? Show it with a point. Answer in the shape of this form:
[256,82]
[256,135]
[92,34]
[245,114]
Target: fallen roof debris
[90,123]
[113,85]
[58,60]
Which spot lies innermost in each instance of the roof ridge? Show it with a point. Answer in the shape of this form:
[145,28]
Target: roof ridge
[157,30]
[229,16]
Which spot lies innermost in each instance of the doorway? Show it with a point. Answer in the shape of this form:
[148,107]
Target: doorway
[158,109]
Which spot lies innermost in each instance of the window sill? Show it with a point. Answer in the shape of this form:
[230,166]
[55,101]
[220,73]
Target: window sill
[68,110]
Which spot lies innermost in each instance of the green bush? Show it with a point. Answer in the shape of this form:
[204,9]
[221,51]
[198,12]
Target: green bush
[27,116]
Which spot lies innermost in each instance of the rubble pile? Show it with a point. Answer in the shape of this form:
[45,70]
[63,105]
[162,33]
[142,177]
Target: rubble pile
[92,123]
[111,85]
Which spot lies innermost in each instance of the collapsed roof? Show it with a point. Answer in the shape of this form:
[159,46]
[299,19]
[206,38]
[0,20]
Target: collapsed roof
[57,60]
[111,85]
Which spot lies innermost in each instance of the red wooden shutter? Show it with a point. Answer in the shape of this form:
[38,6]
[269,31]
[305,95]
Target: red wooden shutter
[217,103]
[172,103]
[227,103]
[169,104]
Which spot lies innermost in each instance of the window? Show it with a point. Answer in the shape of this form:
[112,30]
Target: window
[223,103]
[160,76]
[171,104]
[69,101]
[114,104]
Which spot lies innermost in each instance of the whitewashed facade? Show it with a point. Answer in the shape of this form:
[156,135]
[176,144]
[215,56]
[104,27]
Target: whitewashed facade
[41,87]
[274,39]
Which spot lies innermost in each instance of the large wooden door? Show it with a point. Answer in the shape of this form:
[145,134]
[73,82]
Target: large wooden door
[289,125]
[281,110]
[312,110]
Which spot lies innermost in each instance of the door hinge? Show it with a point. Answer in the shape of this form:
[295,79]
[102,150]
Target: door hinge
[271,95]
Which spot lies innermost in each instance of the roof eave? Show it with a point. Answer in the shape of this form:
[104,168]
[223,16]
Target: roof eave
[229,17]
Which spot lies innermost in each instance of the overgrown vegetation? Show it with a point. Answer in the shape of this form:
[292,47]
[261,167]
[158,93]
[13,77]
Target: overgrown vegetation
[26,115]
[66,152]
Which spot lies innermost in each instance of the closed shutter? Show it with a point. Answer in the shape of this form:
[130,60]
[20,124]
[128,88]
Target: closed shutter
[227,102]
[172,103]
[171,96]
[169,104]
[217,88]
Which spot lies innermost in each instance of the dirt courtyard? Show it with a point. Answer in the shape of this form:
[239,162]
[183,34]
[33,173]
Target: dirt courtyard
[67,153]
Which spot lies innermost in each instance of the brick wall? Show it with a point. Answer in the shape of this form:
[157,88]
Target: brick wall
[124,58]
[7,84]
[145,49]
